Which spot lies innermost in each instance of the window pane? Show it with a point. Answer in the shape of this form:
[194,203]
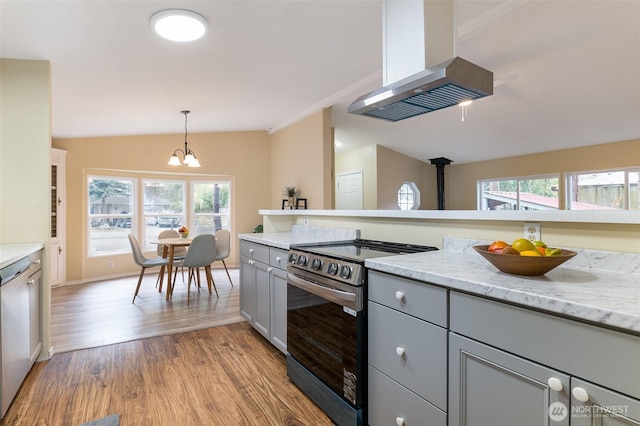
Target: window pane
[408,196]
[538,194]
[499,195]
[163,207]
[634,191]
[597,191]
[110,214]
[211,201]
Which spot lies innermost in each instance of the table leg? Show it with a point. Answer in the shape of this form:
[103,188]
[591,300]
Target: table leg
[169,269]
[165,252]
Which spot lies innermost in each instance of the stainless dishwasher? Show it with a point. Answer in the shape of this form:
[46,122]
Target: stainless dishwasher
[20,323]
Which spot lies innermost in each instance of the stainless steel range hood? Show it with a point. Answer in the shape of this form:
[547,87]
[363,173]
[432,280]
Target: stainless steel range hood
[416,34]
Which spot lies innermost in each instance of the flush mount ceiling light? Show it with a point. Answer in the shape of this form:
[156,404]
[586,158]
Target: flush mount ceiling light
[179,24]
[188,157]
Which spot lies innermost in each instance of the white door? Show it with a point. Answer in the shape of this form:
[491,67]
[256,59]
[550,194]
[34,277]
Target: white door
[349,191]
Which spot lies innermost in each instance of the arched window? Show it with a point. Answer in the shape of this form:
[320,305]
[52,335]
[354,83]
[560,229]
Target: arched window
[408,196]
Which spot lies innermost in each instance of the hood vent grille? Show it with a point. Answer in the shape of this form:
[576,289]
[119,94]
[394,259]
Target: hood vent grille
[435,88]
[433,100]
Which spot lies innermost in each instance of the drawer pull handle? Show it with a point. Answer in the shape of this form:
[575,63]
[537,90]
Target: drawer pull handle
[250,250]
[399,421]
[31,282]
[400,352]
[580,394]
[400,295]
[555,384]
[278,259]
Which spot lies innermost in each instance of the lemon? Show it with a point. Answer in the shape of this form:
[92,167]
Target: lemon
[532,253]
[522,244]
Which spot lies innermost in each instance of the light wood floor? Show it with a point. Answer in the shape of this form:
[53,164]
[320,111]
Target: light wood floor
[101,313]
[223,373]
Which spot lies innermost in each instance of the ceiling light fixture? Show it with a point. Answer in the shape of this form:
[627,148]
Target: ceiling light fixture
[189,157]
[179,24]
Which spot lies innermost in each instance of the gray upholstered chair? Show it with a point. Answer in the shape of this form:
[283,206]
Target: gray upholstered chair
[201,254]
[223,248]
[143,262]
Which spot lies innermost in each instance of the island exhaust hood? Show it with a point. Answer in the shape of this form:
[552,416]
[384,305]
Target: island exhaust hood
[416,34]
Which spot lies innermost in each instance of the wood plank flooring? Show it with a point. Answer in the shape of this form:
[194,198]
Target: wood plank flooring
[227,375]
[222,373]
[101,313]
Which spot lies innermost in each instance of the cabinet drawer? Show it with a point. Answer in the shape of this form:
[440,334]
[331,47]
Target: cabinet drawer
[278,257]
[254,251]
[423,366]
[389,401]
[603,407]
[600,355]
[418,299]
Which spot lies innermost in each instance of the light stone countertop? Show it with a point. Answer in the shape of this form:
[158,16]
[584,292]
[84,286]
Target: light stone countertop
[301,234]
[575,289]
[10,253]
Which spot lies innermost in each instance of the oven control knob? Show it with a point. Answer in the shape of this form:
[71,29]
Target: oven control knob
[292,258]
[345,272]
[302,260]
[332,269]
[316,264]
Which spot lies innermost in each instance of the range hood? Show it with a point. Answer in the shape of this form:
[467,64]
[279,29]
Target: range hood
[415,33]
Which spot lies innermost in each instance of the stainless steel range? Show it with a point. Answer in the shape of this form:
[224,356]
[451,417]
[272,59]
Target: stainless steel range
[327,326]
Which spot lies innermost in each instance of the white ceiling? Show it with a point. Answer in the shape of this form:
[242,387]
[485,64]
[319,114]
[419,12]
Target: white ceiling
[567,73]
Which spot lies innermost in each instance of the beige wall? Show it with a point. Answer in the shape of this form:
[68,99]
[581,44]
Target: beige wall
[394,169]
[302,156]
[384,171]
[243,156]
[25,141]
[460,192]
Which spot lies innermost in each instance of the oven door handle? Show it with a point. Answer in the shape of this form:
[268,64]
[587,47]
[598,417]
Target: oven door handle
[343,298]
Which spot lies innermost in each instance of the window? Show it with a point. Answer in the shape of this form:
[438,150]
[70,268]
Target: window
[409,196]
[211,209]
[540,193]
[608,190]
[135,202]
[111,204]
[164,207]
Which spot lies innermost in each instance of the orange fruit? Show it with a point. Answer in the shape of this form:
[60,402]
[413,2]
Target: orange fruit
[542,250]
[497,245]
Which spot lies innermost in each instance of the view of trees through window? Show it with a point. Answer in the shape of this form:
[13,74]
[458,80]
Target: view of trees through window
[145,207]
[540,193]
[614,190]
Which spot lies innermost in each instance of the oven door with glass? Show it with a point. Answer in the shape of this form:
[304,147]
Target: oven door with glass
[326,328]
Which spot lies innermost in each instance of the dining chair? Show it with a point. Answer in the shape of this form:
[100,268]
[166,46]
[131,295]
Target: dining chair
[178,252]
[143,262]
[201,254]
[223,248]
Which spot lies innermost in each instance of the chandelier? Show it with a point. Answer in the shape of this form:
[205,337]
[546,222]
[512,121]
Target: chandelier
[188,157]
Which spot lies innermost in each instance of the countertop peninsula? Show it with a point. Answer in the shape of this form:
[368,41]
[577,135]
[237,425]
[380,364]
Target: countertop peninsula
[597,287]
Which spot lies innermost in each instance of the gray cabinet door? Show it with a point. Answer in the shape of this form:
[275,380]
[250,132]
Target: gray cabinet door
[247,288]
[262,318]
[279,309]
[491,387]
[602,406]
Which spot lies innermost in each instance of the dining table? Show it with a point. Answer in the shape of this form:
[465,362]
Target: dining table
[170,245]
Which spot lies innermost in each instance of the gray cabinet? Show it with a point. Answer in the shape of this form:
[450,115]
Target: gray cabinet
[492,387]
[263,290]
[594,405]
[407,352]
[517,366]
[278,287]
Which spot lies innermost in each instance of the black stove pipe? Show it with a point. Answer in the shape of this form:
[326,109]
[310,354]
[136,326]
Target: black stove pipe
[440,162]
